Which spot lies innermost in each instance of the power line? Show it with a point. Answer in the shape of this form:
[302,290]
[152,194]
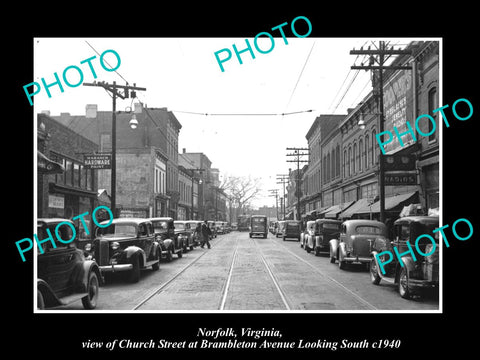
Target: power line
[300,76]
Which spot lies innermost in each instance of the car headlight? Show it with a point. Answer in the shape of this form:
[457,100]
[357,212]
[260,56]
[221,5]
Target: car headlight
[88,247]
[114,245]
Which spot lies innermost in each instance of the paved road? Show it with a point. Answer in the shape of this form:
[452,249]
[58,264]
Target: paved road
[239,273]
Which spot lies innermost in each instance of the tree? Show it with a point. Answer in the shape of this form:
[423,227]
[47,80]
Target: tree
[241,190]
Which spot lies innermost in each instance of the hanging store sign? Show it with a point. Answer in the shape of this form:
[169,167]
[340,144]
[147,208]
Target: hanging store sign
[97,161]
[400,178]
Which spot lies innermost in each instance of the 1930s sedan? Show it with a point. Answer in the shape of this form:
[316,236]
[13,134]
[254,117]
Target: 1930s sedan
[307,235]
[354,243]
[184,230]
[414,276]
[126,245]
[64,275]
[170,243]
[325,230]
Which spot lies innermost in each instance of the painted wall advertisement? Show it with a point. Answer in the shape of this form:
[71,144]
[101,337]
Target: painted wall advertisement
[398,108]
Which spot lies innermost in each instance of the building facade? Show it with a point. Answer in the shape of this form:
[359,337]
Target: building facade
[66,187]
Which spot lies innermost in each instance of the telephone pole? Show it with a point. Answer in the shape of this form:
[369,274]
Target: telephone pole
[283,179]
[127,92]
[297,154]
[377,61]
[274,192]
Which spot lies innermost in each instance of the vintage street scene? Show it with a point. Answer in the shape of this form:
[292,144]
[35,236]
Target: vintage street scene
[269,175]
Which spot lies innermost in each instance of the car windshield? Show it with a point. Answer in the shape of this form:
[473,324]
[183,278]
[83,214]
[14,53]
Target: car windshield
[118,229]
[180,226]
[160,225]
[259,220]
[364,229]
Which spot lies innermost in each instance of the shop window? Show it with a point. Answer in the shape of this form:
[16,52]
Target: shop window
[76,175]
[68,173]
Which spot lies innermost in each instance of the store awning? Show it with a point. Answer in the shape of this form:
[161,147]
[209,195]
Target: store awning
[333,211]
[392,203]
[47,166]
[358,205]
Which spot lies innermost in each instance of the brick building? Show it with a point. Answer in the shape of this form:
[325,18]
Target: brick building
[67,187]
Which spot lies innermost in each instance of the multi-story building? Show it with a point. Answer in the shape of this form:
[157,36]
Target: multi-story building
[66,186]
[348,153]
[146,157]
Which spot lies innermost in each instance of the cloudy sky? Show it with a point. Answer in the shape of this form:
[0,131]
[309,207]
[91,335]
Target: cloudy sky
[183,75]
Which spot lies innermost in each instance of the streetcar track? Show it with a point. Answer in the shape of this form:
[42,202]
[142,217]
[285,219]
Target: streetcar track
[166,283]
[270,273]
[229,277]
[337,283]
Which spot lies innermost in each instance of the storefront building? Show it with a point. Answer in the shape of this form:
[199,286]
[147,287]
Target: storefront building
[67,187]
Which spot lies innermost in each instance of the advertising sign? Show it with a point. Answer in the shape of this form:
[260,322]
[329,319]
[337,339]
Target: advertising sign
[98,161]
[398,108]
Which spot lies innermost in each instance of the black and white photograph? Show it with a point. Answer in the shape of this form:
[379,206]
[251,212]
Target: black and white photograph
[227,199]
[260,190]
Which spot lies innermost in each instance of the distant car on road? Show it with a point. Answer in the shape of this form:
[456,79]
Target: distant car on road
[63,273]
[258,226]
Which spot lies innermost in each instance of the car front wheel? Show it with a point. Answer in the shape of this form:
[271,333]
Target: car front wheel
[374,277]
[403,286]
[90,301]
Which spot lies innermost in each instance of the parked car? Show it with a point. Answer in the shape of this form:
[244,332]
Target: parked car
[280,228]
[325,230]
[184,230]
[193,227]
[170,244]
[258,226]
[307,235]
[292,229]
[213,229]
[126,245]
[220,227]
[355,240]
[415,276]
[63,273]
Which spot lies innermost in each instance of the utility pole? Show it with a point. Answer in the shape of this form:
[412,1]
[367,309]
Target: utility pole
[297,154]
[283,179]
[379,56]
[274,192]
[127,91]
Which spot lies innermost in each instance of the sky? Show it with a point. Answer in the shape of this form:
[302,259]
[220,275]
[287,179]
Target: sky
[183,75]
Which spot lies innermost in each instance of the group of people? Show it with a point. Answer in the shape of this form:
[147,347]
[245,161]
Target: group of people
[204,232]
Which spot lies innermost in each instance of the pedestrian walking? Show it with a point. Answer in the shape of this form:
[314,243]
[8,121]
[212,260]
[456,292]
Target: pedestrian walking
[206,232]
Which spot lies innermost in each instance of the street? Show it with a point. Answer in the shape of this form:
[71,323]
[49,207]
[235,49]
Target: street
[239,273]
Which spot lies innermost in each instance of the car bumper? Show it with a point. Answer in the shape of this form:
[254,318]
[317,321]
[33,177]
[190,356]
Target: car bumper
[357,259]
[416,285]
[116,267]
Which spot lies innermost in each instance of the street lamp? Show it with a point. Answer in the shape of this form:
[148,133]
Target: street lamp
[133,122]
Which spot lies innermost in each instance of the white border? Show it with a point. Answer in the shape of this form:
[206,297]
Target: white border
[282,312]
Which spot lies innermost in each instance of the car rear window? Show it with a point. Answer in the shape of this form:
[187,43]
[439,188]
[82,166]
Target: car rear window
[368,230]
[259,220]
[331,226]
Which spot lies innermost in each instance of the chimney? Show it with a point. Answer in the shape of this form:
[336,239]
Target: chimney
[91,111]
[184,150]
